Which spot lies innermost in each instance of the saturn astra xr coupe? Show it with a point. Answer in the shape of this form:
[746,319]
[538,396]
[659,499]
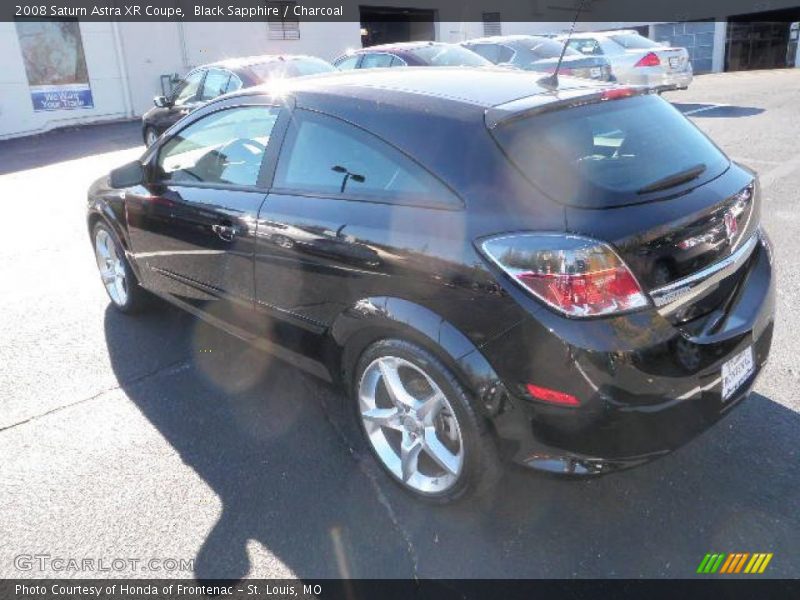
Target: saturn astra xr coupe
[573,279]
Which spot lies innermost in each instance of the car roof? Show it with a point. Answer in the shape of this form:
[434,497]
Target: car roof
[585,34]
[504,39]
[244,62]
[431,90]
[399,47]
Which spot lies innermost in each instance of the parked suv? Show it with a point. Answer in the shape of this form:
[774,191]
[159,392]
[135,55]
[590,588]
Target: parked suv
[637,60]
[411,54]
[209,81]
[534,53]
[575,281]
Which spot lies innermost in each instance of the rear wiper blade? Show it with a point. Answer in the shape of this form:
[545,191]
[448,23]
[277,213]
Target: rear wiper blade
[674,179]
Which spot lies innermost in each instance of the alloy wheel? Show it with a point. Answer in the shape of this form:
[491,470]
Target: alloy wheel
[112,267]
[411,425]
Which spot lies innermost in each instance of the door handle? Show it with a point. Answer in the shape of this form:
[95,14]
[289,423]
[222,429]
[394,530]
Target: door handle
[224,232]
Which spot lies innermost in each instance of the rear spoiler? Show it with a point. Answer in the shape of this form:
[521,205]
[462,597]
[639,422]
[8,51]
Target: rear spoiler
[557,99]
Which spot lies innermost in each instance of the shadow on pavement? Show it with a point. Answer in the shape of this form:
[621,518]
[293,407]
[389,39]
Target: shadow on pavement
[275,446]
[716,110]
[70,143]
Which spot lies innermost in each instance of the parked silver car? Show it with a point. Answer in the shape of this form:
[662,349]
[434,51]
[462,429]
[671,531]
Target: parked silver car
[535,53]
[637,60]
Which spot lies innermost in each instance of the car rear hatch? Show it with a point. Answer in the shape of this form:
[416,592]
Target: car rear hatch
[588,67]
[673,60]
[635,173]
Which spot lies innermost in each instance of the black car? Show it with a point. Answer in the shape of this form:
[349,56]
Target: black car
[537,53]
[574,280]
[209,81]
[410,54]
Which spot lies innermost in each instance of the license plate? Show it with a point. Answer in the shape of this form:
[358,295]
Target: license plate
[736,371]
[674,62]
[596,71]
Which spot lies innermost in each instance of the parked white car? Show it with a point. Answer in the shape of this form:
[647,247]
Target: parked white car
[637,60]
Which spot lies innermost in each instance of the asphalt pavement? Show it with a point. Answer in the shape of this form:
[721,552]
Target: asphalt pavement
[158,437]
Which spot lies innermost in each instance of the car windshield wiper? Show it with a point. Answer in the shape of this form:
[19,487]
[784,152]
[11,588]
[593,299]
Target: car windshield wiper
[674,179]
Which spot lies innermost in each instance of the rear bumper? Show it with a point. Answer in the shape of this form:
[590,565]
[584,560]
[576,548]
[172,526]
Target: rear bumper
[638,401]
[658,79]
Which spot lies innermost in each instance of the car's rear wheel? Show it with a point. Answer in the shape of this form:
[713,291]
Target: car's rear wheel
[420,424]
[150,136]
[115,272]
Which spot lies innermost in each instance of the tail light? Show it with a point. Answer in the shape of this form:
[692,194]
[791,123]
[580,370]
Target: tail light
[649,60]
[617,92]
[576,276]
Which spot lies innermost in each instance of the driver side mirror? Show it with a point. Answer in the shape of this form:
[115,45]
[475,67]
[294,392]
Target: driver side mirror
[127,175]
[162,101]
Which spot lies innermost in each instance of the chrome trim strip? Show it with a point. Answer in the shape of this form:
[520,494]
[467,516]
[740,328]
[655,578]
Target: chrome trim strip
[671,297]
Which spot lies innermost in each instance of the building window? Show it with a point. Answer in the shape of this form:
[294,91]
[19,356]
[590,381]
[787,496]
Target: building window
[491,23]
[286,26]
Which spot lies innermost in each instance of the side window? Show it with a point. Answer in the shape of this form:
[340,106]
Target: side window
[589,47]
[326,156]
[490,52]
[215,84]
[223,147]
[504,54]
[376,61]
[347,63]
[398,62]
[234,83]
[186,90]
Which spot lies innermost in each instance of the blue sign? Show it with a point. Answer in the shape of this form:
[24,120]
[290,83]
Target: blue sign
[61,97]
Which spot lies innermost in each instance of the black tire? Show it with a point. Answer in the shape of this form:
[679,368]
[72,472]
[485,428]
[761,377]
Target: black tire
[481,467]
[136,298]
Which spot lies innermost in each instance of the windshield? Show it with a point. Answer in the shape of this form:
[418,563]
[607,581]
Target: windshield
[449,56]
[634,41]
[605,154]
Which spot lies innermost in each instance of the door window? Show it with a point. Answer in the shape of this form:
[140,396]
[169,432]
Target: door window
[215,84]
[347,63]
[326,156]
[490,52]
[234,83]
[224,147]
[186,91]
[376,61]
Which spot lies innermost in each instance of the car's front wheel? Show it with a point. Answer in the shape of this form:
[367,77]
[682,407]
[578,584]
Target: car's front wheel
[420,423]
[115,272]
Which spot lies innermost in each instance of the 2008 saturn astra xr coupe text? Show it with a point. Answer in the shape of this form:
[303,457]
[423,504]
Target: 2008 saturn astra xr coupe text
[573,279]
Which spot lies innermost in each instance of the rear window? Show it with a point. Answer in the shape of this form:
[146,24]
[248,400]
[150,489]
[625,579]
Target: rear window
[604,154]
[634,42]
[547,48]
[449,56]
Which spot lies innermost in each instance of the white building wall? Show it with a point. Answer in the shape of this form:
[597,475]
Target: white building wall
[150,50]
[17,116]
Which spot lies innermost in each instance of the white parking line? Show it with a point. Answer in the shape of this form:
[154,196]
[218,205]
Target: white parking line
[704,108]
